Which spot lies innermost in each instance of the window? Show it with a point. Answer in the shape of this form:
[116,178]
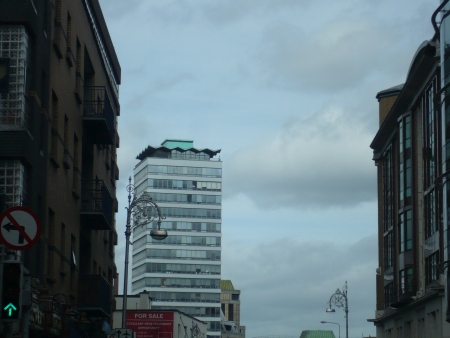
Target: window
[388,251]
[405,232]
[230,312]
[55,130]
[431,271]
[76,165]
[430,214]
[13,180]
[429,135]
[405,162]
[389,294]
[406,285]
[69,31]
[4,75]
[14,46]
[388,190]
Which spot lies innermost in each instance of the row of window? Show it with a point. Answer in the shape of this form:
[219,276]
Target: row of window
[185,297]
[197,269]
[178,170]
[178,254]
[196,312]
[184,185]
[189,155]
[191,213]
[179,240]
[177,283]
[185,198]
[181,226]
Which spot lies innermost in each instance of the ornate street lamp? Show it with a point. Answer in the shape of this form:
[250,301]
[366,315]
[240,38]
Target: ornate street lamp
[325,322]
[144,211]
[339,299]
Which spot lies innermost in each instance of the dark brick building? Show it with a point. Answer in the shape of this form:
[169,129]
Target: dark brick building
[59,78]
[411,152]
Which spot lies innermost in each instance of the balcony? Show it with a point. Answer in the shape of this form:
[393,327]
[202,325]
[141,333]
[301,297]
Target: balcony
[98,116]
[96,205]
[94,293]
[402,296]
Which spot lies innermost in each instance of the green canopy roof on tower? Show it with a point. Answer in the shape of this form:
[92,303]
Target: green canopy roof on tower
[317,334]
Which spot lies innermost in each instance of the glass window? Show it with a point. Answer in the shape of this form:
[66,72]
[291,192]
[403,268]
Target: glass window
[13,180]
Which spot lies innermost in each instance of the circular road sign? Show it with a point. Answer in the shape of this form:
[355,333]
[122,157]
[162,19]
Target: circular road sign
[20,228]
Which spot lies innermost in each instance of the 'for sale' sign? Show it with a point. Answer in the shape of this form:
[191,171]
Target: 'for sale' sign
[154,324]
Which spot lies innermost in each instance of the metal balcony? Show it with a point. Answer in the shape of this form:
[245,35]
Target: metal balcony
[98,116]
[96,205]
[402,295]
[94,294]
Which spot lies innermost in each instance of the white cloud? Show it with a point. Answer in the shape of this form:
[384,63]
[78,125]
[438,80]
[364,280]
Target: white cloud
[319,161]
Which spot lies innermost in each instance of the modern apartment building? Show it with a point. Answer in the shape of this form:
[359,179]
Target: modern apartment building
[59,102]
[411,152]
[182,271]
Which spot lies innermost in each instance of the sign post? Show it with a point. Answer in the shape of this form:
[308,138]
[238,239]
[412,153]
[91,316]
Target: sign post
[20,228]
[121,333]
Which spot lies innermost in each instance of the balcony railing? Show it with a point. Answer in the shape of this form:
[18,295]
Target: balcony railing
[402,295]
[94,293]
[98,115]
[96,205]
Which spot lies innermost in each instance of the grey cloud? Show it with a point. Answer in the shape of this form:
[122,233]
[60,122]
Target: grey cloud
[335,57]
[320,161]
[288,283]
[345,51]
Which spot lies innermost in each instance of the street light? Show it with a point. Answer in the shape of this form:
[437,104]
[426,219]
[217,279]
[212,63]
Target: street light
[144,211]
[323,322]
[339,298]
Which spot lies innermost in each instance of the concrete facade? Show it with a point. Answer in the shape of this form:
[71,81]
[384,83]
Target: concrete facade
[182,271]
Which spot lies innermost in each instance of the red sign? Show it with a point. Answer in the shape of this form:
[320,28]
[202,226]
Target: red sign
[150,324]
[19,228]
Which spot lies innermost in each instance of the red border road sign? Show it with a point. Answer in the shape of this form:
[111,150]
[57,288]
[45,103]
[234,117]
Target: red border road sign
[20,228]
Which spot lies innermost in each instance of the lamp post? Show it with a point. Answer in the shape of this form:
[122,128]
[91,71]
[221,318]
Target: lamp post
[144,211]
[323,322]
[339,299]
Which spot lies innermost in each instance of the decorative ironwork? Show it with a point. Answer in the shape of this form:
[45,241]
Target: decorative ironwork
[339,299]
[143,211]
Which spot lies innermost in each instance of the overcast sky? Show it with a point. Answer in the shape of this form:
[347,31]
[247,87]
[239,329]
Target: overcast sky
[286,89]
